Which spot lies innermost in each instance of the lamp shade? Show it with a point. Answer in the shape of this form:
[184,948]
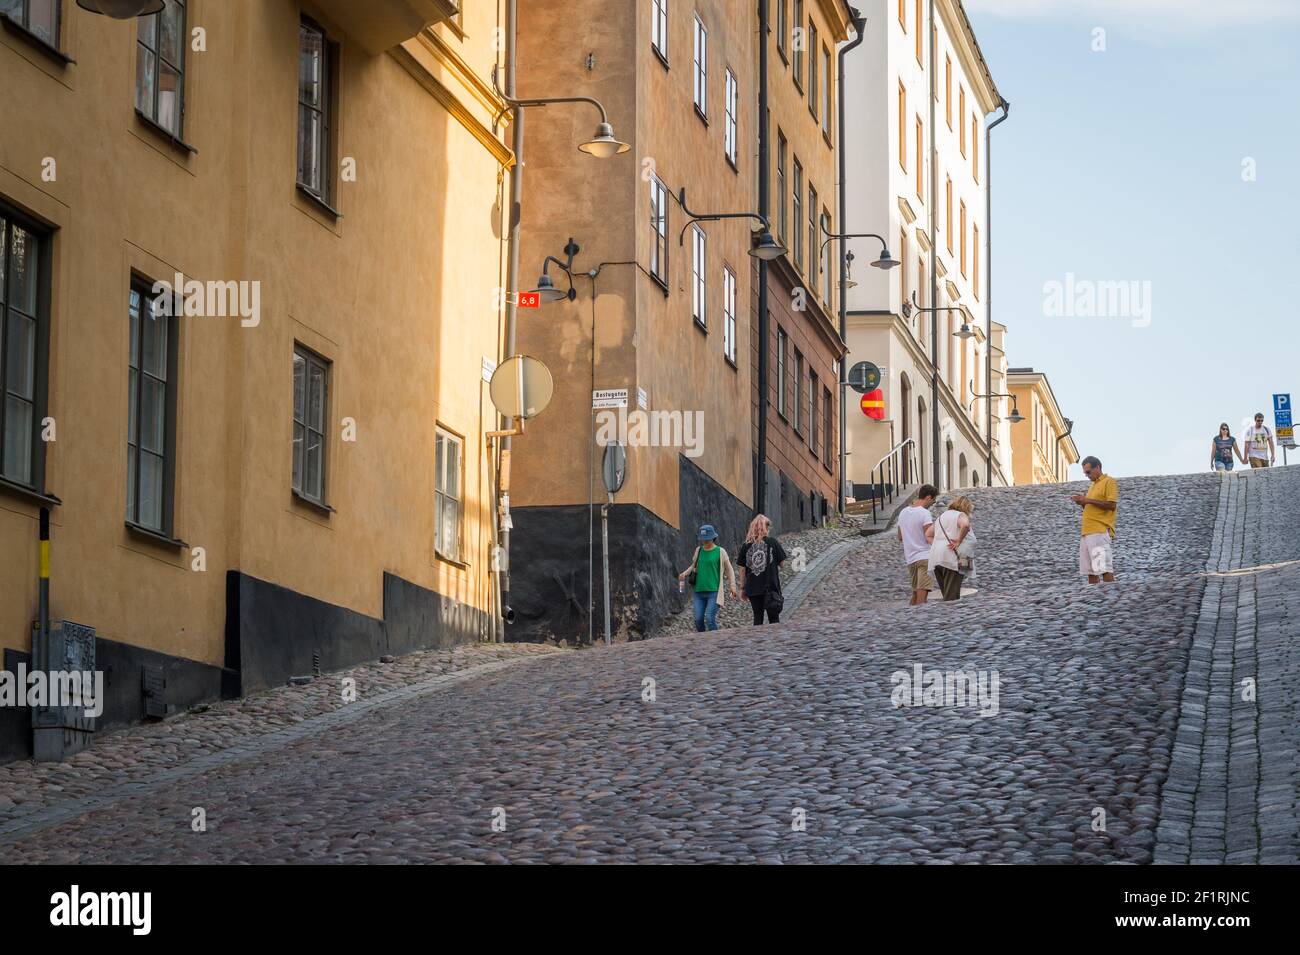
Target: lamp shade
[122,9]
[546,290]
[1016,417]
[603,145]
[886,261]
[767,248]
[964,332]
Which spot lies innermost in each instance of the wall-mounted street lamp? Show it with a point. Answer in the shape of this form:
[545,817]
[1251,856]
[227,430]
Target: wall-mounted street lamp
[884,261]
[122,9]
[602,144]
[546,290]
[1015,417]
[763,246]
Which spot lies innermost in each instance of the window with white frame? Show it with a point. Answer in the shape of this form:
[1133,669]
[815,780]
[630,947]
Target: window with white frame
[658,230]
[310,412]
[659,27]
[729,133]
[699,248]
[729,314]
[448,463]
[151,412]
[827,270]
[796,207]
[316,67]
[701,67]
[782,347]
[38,17]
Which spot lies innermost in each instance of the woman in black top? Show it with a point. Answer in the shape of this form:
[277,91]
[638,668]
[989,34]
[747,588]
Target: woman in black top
[760,560]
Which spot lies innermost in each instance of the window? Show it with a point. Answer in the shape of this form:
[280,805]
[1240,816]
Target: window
[920,151]
[799,42]
[828,437]
[659,231]
[948,220]
[902,126]
[24,288]
[151,412]
[797,213]
[963,238]
[781,223]
[448,462]
[813,90]
[38,17]
[659,27]
[812,412]
[781,29]
[902,266]
[310,411]
[160,67]
[975,147]
[729,314]
[961,111]
[947,89]
[828,289]
[826,91]
[917,32]
[701,67]
[975,259]
[814,247]
[729,132]
[797,390]
[315,91]
[699,248]
[782,347]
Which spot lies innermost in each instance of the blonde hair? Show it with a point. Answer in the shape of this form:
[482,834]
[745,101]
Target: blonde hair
[963,504]
[757,529]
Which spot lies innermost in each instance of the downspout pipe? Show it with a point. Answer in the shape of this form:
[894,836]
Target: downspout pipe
[859,28]
[988,283]
[512,286]
[764,209]
[934,271]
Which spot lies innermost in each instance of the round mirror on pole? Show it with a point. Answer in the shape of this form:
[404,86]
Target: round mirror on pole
[614,467]
[521,387]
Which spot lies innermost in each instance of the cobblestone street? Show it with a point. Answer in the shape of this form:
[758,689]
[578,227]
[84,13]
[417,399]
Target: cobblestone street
[1120,730]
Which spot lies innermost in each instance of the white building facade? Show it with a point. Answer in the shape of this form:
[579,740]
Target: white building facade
[918,98]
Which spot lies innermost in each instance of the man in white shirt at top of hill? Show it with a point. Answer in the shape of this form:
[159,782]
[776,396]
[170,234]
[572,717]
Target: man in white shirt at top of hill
[912,523]
[1260,450]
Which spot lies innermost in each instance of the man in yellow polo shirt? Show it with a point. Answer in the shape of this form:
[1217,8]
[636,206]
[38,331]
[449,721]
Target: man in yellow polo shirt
[1100,504]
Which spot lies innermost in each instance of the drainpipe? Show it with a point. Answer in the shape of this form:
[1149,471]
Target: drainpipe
[934,257]
[859,27]
[988,281]
[512,286]
[764,203]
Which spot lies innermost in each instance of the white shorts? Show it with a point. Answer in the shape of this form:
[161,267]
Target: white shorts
[1095,555]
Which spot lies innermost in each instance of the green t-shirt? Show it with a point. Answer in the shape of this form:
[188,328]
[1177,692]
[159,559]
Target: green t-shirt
[708,570]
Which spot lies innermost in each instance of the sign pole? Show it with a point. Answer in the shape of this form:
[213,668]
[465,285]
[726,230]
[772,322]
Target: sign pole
[604,546]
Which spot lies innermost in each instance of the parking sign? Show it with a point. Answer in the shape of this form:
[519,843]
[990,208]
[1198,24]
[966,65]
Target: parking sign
[1282,418]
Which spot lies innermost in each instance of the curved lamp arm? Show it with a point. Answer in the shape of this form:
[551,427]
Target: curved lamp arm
[713,217]
[544,101]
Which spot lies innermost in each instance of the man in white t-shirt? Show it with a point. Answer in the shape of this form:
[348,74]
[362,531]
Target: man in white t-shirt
[1259,444]
[912,523]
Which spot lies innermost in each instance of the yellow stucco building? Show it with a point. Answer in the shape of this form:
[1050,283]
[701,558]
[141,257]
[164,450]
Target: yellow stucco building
[281,467]
[1041,447]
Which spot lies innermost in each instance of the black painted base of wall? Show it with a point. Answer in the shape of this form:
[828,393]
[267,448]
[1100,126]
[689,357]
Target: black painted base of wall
[272,634]
[556,569]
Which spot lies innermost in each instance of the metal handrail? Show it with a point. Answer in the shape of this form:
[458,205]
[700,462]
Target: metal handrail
[890,473]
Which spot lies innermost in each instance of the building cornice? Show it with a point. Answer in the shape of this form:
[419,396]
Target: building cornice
[969,54]
[452,104]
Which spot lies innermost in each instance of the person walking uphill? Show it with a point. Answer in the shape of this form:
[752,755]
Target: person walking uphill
[708,565]
[912,524]
[760,560]
[952,547]
[1100,505]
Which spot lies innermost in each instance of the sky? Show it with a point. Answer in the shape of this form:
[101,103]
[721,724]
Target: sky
[1169,162]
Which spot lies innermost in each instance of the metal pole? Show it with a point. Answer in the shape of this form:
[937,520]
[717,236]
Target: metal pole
[764,203]
[934,252]
[512,275]
[988,283]
[859,27]
[604,543]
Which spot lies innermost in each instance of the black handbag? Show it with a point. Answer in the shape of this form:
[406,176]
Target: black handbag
[774,601]
[690,574]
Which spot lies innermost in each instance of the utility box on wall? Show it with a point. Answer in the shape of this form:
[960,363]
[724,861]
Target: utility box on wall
[62,728]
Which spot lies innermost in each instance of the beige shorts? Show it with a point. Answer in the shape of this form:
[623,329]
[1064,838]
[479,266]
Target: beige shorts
[1258,462]
[919,573]
[1096,556]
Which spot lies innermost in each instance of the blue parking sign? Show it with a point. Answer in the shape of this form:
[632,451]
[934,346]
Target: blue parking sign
[1282,418]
